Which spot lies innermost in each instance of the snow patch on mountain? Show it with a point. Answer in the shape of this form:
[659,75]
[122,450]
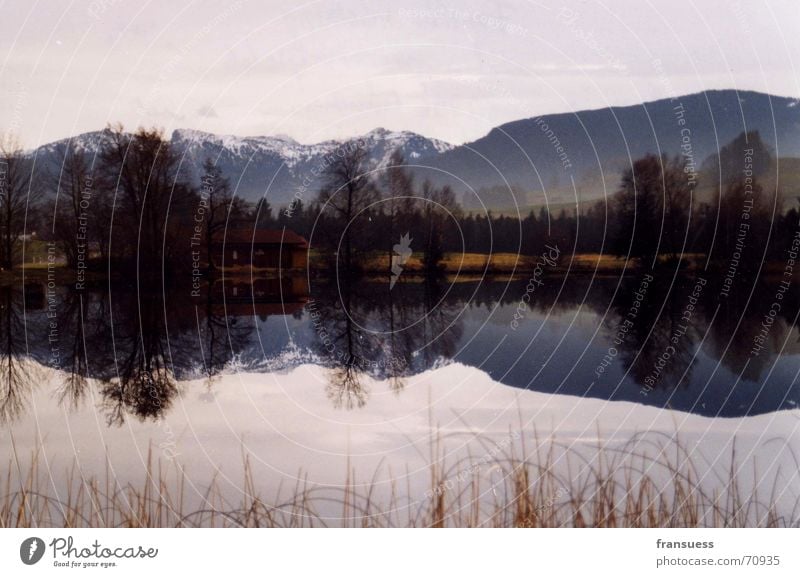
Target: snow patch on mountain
[380,142]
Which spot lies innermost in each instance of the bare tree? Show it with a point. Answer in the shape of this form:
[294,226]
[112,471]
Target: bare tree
[347,194]
[74,186]
[398,185]
[677,201]
[652,208]
[441,207]
[143,169]
[222,209]
[19,195]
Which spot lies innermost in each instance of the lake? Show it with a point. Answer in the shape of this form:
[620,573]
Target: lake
[356,394]
[666,341]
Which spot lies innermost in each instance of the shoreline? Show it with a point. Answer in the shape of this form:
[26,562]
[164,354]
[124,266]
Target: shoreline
[473,266]
[530,460]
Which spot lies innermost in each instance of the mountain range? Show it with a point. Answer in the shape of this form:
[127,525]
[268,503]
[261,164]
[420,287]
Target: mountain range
[525,162]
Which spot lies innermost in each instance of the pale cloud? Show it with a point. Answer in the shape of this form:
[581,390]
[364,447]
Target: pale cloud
[319,70]
[207,112]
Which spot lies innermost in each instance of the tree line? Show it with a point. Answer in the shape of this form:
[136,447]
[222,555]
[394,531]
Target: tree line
[656,211]
[128,204]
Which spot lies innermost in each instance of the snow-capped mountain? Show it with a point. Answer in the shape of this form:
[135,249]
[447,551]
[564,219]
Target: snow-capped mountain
[279,167]
[558,158]
[276,166]
[380,142]
[88,142]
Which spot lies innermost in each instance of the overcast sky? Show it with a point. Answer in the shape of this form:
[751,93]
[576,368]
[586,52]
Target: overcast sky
[323,69]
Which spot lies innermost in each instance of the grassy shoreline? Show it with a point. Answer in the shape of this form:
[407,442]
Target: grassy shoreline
[640,490]
[455,266]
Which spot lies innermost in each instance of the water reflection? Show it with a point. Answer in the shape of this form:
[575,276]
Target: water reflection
[74,339]
[16,375]
[363,328]
[655,337]
[657,327]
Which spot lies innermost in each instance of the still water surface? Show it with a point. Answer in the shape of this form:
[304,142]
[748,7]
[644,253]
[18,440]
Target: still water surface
[667,342]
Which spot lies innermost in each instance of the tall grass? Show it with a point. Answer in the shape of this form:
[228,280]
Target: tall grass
[554,485]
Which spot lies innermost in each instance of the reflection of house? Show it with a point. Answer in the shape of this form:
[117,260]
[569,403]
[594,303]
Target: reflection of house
[273,249]
[262,296]
[34,296]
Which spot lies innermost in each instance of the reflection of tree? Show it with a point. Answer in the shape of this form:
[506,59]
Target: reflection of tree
[396,344]
[145,385]
[155,344]
[136,362]
[345,387]
[658,347]
[363,330]
[219,336]
[343,343]
[74,362]
[438,332]
[16,377]
[385,333]
[740,320]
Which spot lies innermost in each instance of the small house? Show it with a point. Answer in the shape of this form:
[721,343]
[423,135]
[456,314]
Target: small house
[266,249]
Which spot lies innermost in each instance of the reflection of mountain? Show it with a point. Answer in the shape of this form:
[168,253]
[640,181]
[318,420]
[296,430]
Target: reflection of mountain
[140,348]
[741,319]
[363,328]
[564,345]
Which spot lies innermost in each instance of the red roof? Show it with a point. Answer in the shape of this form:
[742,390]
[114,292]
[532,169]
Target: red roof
[260,236]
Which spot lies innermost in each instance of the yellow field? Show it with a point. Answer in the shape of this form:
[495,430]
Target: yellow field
[504,262]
